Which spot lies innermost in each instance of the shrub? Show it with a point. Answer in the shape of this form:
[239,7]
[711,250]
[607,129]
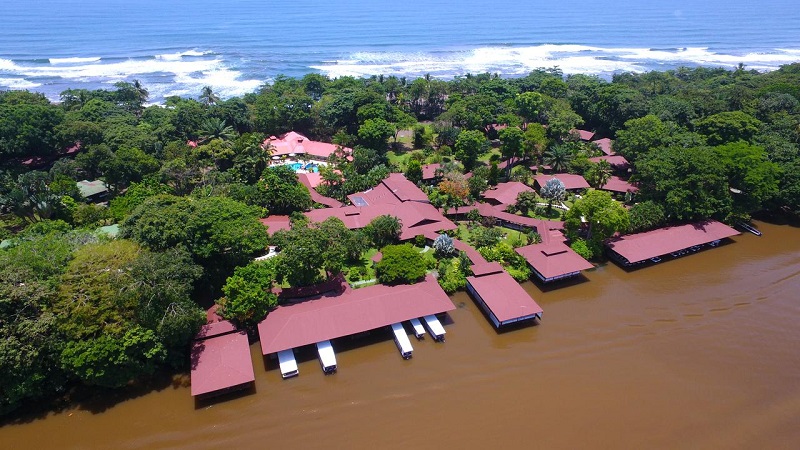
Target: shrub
[419,240]
[580,247]
[451,275]
[400,264]
[444,246]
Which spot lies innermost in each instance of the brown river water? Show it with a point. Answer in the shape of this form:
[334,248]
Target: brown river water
[699,352]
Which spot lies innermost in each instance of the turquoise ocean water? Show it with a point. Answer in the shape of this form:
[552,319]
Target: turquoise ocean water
[176,47]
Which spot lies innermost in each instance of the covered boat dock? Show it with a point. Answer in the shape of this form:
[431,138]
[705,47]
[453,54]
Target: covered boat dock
[652,245]
[353,312]
[553,261]
[503,299]
[220,360]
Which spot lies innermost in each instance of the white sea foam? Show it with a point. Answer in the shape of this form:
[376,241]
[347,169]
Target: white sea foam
[178,55]
[569,58]
[74,60]
[17,83]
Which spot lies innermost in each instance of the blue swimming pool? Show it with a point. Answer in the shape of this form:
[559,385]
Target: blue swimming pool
[311,167]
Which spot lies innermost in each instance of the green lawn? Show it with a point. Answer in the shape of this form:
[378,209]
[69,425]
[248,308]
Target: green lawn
[511,237]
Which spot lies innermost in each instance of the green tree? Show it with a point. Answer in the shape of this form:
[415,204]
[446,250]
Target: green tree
[558,157]
[526,201]
[375,134]
[384,230]
[691,184]
[400,264]
[248,293]
[598,216]
[640,136]
[646,216]
[281,192]
[126,166]
[414,171]
[469,146]
[728,126]
[753,179]
[598,174]
[114,360]
[512,145]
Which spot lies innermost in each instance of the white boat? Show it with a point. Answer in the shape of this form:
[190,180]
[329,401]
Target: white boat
[419,331]
[327,358]
[401,340]
[435,328]
[287,363]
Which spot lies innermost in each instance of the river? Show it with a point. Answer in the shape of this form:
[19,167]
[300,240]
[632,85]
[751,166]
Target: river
[699,352]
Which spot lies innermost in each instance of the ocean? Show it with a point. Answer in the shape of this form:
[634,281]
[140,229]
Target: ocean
[176,47]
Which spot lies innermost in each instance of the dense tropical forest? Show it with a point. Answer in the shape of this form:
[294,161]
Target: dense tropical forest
[189,180]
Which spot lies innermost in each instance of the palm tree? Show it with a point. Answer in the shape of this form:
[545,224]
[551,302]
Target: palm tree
[208,97]
[214,128]
[599,174]
[141,91]
[558,158]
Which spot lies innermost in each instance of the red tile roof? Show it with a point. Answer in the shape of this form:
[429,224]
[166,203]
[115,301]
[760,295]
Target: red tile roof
[553,259]
[417,218]
[585,135]
[617,184]
[504,297]
[642,246]
[486,268]
[570,180]
[356,311]
[429,171]
[275,223]
[605,145]
[216,328]
[311,181]
[293,142]
[221,362]
[394,189]
[506,193]
[616,161]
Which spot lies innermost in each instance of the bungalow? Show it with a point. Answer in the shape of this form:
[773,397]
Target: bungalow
[571,181]
[583,135]
[553,260]
[429,175]
[505,193]
[94,191]
[618,162]
[606,146]
[617,185]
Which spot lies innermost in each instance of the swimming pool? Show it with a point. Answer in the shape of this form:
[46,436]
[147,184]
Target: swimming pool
[309,167]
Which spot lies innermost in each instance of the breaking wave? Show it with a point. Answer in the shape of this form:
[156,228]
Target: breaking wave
[571,59]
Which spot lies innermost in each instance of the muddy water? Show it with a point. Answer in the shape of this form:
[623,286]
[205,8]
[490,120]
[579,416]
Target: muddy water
[701,352]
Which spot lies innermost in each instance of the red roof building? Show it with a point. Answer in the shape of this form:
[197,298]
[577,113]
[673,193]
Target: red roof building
[605,145]
[394,189]
[293,143]
[505,193]
[311,181]
[220,360]
[584,135]
[429,172]
[618,185]
[416,218]
[275,223]
[570,180]
[618,162]
[553,260]
[502,298]
[509,220]
[356,311]
[640,247]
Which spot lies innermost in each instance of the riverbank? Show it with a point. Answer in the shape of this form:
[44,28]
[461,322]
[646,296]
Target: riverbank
[697,352]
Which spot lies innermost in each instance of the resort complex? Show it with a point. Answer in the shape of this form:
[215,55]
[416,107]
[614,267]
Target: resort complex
[317,216]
